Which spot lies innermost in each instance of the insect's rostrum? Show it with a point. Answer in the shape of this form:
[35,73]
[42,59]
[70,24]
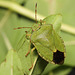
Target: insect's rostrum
[58,57]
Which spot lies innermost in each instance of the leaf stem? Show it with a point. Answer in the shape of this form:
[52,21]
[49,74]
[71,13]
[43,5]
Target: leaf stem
[19,9]
[30,14]
[68,28]
[68,43]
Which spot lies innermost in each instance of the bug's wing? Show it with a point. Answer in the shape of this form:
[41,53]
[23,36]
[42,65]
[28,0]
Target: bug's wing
[43,41]
[59,53]
[44,36]
[58,42]
[44,52]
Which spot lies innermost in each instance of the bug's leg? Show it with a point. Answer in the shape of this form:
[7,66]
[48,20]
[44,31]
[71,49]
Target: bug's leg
[27,54]
[32,58]
[29,51]
[29,44]
[31,67]
[27,34]
[42,22]
[31,55]
[22,28]
[36,13]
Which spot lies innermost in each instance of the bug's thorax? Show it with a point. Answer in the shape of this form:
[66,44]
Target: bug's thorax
[38,25]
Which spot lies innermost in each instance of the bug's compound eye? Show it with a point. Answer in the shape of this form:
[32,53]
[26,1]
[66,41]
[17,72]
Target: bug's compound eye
[58,57]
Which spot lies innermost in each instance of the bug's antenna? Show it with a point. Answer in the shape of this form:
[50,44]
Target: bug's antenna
[36,12]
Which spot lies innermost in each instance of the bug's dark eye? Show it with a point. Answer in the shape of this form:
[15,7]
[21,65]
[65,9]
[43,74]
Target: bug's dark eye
[58,57]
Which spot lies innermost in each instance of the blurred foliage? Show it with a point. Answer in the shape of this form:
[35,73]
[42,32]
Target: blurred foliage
[10,20]
[12,63]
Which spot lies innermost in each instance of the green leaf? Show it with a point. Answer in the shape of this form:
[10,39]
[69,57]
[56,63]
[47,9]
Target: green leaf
[49,68]
[12,65]
[70,56]
[61,70]
[52,69]
[64,7]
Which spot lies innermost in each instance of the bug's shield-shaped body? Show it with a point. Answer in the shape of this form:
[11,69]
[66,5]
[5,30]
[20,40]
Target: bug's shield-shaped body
[49,45]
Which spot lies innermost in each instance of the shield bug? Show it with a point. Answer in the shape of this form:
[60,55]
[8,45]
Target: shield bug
[46,41]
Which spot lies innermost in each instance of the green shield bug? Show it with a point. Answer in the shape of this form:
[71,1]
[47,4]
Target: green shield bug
[46,41]
[49,45]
